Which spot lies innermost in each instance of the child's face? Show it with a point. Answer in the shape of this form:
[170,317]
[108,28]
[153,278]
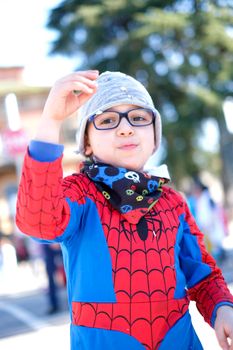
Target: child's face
[125,146]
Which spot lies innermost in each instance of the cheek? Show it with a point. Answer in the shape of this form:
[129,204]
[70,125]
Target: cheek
[151,140]
[94,142]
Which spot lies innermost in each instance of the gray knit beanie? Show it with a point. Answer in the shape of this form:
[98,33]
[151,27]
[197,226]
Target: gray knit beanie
[114,89]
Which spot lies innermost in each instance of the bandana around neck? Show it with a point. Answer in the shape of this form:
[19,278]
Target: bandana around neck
[130,192]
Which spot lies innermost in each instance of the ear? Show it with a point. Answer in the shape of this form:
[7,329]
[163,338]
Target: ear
[87,146]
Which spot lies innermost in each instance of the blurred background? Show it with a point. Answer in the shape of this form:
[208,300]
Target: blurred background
[182,51]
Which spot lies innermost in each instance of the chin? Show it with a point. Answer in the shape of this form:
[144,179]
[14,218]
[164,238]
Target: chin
[128,163]
[131,165]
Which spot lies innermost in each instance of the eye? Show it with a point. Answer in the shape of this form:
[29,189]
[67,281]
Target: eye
[106,119]
[141,116]
[138,118]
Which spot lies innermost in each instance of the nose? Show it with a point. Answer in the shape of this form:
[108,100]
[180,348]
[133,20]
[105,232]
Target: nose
[124,128]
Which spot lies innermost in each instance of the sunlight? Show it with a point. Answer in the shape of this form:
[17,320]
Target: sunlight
[228,113]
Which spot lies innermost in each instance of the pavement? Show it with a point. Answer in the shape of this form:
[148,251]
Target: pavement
[25,323]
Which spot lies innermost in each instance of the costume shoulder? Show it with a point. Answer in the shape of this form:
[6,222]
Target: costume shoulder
[78,186]
[175,198]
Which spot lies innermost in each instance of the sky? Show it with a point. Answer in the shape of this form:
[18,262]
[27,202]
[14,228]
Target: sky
[25,41]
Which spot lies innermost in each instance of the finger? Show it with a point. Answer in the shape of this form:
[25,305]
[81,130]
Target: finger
[91,83]
[78,85]
[92,74]
[228,338]
[222,339]
[69,86]
[231,341]
[82,98]
[89,75]
[81,87]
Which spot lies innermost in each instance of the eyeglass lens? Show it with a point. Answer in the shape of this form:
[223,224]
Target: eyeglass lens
[111,119]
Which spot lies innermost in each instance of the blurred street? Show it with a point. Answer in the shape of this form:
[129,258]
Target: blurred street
[25,322]
[24,312]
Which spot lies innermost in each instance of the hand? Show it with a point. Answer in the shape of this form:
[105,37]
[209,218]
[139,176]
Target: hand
[62,102]
[224,327]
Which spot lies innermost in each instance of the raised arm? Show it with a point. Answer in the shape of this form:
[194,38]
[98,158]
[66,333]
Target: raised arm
[43,211]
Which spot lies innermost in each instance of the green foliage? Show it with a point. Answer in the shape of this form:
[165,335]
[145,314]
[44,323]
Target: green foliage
[181,50]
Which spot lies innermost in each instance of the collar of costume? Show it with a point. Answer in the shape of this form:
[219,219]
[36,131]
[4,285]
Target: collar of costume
[130,192]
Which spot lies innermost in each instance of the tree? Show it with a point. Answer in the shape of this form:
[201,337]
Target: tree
[181,50]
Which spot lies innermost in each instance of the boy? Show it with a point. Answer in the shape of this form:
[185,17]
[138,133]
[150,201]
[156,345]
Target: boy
[133,254]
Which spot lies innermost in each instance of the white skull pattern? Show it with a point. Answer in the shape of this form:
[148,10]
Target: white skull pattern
[131,175]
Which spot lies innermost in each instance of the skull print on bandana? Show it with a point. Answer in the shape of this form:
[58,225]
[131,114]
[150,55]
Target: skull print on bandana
[130,192]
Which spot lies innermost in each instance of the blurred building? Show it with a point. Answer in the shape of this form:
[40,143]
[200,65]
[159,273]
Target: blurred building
[20,108]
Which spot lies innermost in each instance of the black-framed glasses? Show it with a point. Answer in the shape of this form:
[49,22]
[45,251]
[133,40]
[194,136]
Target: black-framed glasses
[111,119]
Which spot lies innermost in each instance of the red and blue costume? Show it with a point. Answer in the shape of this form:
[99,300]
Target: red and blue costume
[129,277]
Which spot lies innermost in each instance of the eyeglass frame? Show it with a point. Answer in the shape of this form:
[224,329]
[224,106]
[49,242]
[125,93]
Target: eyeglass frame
[122,115]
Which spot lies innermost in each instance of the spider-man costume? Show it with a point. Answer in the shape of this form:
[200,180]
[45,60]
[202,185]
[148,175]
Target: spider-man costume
[125,290]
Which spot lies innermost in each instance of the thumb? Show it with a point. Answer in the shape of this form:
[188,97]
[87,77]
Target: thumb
[84,97]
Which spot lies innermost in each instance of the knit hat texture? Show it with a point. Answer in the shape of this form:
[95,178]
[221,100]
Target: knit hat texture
[114,89]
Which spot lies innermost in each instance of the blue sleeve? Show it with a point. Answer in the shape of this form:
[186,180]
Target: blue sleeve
[45,151]
[214,314]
